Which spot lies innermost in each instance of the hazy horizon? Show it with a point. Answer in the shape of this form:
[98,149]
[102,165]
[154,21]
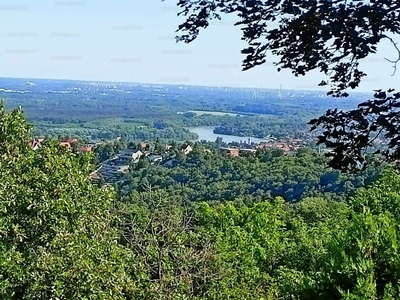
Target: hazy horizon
[32,80]
[134,41]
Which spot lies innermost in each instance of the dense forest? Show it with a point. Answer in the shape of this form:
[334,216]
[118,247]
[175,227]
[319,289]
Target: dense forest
[205,175]
[103,111]
[64,238]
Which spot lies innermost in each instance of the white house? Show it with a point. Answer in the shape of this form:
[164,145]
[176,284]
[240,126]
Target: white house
[130,154]
[186,149]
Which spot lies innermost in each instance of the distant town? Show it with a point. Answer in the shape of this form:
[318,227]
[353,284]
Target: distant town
[110,169]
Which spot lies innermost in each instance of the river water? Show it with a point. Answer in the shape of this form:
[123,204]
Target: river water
[206,133]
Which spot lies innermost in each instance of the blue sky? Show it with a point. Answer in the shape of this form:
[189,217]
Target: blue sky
[133,41]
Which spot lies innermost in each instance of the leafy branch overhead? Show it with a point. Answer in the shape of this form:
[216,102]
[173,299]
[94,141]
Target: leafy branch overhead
[350,134]
[325,35]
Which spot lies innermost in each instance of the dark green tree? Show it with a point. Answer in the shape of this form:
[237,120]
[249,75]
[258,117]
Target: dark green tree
[57,239]
[172,261]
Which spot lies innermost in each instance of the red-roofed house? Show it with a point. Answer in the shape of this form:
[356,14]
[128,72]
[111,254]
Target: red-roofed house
[71,141]
[65,144]
[85,149]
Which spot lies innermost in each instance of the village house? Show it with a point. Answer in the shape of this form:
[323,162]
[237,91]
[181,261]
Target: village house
[155,158]
[233,152]
[36,144]
[130,154]
[186,149]
[282,146]
[285,146]
[85,149]
[65,144]
[120,164]
[71,140]
[110,170]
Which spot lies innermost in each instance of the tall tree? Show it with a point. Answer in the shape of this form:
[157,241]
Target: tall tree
[172,261]
[57,239]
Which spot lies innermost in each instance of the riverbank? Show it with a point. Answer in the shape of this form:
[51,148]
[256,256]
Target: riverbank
[206,133]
